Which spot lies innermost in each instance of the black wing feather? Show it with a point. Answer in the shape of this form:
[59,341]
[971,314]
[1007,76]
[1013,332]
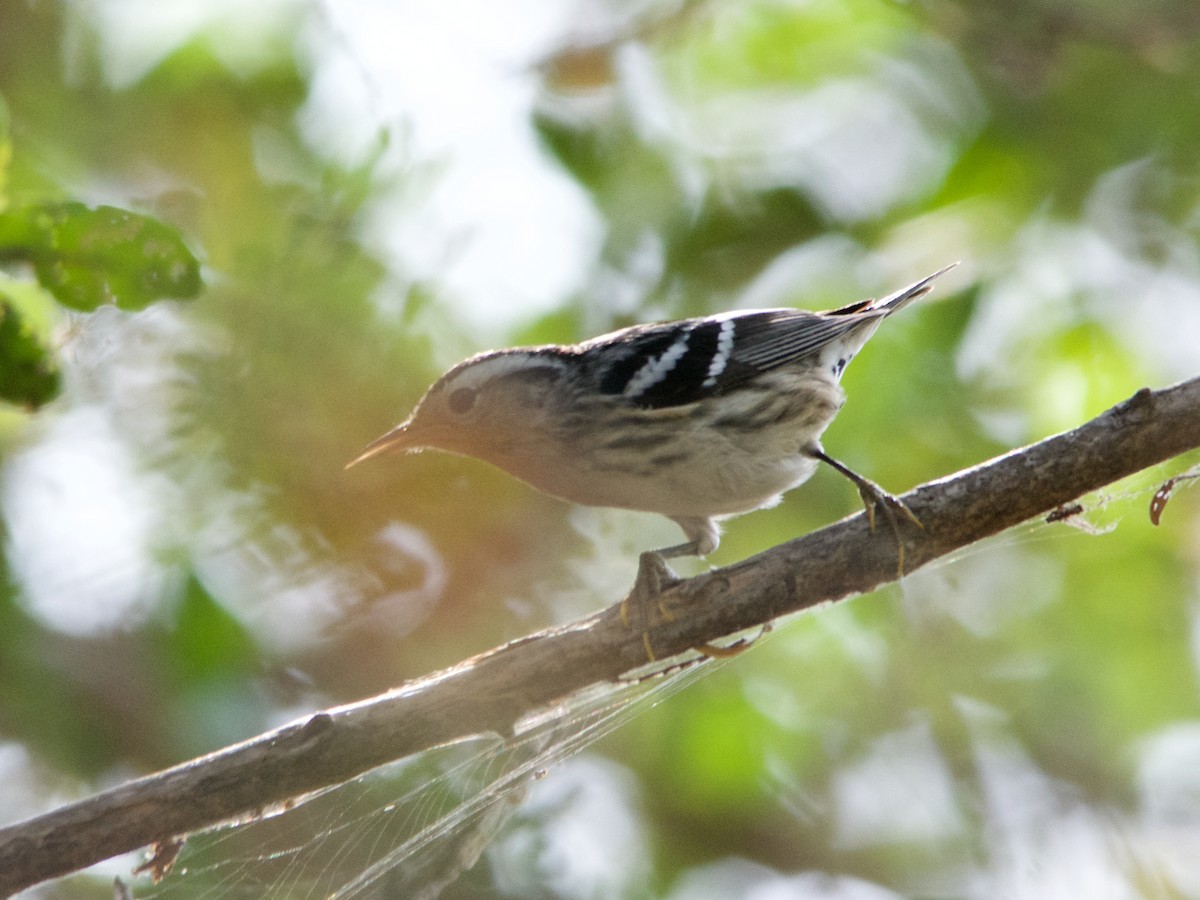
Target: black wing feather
[777,337]
[676,363]
[762,340]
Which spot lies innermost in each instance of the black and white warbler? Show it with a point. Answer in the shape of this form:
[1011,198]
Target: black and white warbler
[698,419]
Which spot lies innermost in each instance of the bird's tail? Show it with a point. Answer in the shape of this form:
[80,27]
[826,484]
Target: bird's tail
[892,302]
[901,298]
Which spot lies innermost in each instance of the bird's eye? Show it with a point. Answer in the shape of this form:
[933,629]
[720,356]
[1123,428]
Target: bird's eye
[461,400]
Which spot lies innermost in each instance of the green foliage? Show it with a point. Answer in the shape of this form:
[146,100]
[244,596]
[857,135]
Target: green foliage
[205,642]
[5,150]
[766,44]
[85,258]
[88,257]
[29,373]
[1046,145]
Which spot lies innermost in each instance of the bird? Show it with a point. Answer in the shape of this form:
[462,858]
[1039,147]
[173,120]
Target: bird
[697,419]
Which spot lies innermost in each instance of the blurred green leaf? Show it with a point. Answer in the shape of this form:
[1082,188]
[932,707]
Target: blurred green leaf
[1047,150]
[29,374]
[759,45]
[206,642]
[88,257]
[5,150]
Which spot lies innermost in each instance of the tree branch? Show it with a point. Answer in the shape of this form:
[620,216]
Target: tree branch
[492,692]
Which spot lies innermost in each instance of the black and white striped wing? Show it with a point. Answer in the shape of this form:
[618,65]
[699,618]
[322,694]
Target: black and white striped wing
[676,363]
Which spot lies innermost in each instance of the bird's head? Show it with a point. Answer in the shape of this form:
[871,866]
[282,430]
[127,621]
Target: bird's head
[492,406]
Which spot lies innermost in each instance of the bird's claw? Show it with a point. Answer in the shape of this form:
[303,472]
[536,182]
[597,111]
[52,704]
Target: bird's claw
[876,498]
[653,578]
[727,651]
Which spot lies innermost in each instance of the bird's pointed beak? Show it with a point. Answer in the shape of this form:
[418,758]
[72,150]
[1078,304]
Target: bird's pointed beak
[397,440]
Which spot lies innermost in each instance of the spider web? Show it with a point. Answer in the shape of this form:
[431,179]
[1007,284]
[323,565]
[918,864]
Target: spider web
[412,827]
[409,828]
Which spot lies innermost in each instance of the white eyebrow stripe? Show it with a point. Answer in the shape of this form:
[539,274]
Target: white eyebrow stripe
[656,368]
[724,350]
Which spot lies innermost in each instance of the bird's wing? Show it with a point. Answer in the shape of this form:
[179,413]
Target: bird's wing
[676,363]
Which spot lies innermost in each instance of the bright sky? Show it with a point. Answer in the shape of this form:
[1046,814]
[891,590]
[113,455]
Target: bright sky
[504,234]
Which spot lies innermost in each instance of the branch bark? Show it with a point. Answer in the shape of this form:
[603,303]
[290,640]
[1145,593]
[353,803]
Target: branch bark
[492,692]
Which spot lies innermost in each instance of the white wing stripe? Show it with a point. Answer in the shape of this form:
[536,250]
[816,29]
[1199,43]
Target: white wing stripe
[656,368]
[724,350]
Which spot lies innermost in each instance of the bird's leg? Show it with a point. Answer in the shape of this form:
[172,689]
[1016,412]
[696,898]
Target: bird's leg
[874,497]
[653,577]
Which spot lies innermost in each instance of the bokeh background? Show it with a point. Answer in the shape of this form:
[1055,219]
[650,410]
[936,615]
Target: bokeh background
[377,189]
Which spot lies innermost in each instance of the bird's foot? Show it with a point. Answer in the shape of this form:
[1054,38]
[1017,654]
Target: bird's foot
[738,647]
[653,578]
[874,499]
